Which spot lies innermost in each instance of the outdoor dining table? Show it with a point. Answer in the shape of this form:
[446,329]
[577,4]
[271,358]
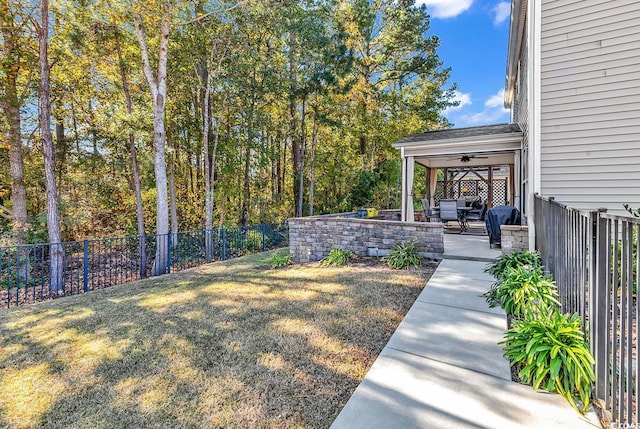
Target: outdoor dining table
[462,215]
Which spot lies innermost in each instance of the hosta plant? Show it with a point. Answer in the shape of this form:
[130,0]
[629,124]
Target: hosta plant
[508,261]
[337,257]
[403,255]
[279,260]
[551,352]
[522,291]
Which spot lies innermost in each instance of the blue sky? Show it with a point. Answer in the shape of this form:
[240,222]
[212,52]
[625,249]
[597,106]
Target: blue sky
[473,42]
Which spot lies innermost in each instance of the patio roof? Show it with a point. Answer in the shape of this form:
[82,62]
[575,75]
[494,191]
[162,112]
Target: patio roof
[443,148]
[484,146]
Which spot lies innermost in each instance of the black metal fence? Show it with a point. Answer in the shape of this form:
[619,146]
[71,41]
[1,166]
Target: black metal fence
[26,275]
[594,259]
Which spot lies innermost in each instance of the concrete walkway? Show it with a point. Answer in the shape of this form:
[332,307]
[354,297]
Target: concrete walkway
[443,368]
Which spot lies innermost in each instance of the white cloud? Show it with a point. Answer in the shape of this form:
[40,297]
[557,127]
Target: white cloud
[486,117]
[463,99]
[493,113]
[502,11]
[496,100]
[445,8]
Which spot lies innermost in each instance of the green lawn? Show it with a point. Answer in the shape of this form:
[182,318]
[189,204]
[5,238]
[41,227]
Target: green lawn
[229,344]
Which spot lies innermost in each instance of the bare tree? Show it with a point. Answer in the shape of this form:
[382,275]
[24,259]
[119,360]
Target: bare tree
[53,217]
[133,154]
[209,158]
[10,104]
[312,160]
[158,87]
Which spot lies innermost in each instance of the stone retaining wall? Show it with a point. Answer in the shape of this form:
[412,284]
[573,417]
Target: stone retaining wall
[311,238]
[514,238]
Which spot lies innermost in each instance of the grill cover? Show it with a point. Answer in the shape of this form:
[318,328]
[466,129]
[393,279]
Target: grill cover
[501,215]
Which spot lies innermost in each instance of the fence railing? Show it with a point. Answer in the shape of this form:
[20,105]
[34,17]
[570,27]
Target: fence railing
[594,259]
[26,273]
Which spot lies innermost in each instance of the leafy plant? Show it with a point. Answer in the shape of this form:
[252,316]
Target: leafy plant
[551,351]
[501,266]
[403,255]
[522,291]
[632,212]
[337,257]
[280,260]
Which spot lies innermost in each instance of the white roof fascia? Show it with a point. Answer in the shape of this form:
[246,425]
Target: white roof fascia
[468,145]
[516,32]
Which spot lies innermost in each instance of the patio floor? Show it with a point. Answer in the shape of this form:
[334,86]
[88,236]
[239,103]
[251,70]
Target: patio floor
[469,247]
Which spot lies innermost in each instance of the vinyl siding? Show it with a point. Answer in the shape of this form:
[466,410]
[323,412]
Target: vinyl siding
[521,117]
[590,102]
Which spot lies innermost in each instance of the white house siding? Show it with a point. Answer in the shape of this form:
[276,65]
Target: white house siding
[521,116]
[590,102]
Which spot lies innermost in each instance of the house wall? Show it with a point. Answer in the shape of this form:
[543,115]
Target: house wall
[311,238]
[590,98]
[520,115]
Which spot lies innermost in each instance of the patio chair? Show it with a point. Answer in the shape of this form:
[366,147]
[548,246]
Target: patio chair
[449,211]
[476,215]
[429,214]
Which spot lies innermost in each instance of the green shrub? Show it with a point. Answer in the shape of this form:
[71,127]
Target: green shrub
[551,351]
[501,266]
[278,260]
[523,290]
[337,257]
[403,255]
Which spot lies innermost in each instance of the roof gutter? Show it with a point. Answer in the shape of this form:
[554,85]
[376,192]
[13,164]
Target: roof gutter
[516,33]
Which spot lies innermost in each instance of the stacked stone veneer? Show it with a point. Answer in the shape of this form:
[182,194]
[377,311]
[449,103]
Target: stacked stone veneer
[514,238]
[311,238]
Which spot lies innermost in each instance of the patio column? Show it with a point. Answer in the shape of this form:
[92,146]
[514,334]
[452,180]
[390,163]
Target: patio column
[517,180]
[433,183]
[408,167]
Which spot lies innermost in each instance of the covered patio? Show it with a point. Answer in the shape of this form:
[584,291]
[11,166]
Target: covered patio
[482,162]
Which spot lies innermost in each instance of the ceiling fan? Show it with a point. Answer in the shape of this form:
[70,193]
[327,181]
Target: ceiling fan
[466,158]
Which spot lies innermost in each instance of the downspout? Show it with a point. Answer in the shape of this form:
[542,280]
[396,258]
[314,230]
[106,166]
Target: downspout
[534,35]
[403,209]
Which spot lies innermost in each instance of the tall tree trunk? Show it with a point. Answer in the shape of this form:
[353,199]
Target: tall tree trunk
[173,202]
[279,167]
[133,155]
[158,87]
[61,150]
[312,160]
[293,125]
[246,195]
[303,145]
[53,217]
[209,162]
[11,107]
[272,156]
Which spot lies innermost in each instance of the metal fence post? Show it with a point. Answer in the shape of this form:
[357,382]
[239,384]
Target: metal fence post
[598,295]
[85,262]
[223,234]
[168,253]
[262,229]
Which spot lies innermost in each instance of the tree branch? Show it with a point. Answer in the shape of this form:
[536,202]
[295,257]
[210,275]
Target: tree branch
[144,52]
[213,12]
[11,215]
